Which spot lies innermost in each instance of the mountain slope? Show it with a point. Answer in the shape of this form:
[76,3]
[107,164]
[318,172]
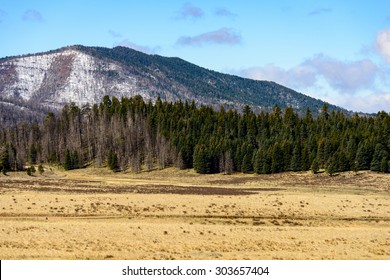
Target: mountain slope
[34,84]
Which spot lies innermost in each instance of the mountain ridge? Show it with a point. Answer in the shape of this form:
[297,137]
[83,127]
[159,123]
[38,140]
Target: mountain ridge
[42,82]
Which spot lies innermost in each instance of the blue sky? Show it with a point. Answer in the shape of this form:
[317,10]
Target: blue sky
[338,51]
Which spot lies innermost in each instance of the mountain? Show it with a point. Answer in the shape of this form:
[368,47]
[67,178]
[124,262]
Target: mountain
[32,85]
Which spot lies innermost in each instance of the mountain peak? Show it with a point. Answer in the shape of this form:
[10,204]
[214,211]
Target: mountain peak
[84,75]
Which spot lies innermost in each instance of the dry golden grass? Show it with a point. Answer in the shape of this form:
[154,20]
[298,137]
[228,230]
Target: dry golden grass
[173,214]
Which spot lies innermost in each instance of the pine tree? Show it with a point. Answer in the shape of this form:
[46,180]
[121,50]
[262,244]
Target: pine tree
[377,158]
[363,157]
[112,161]
[330,166]
[202,160]
[267,164]
[315,166]
[247,166]
[32,154]
[258,162]
[5,165]
[75,160]
[68,161]
[384,165]
[277,159]
[342,162]
[305,159]
[296,158]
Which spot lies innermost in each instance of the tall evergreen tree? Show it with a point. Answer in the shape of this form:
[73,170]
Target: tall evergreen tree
[247,166]
[5,165]
[277,159]
[384,165]
[202,163]
[296,159]
[75,160]
[362,159]
[377,158]
[68,161]
[112,161]
[315,167]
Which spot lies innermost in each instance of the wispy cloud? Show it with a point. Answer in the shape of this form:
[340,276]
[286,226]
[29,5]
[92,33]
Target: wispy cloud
[371,103]
[343,76]
[297,77]
[32,15]
[144,49]
[189,11]
[358,85]
[223,36]
[319,11]
[114,34]
[223,12]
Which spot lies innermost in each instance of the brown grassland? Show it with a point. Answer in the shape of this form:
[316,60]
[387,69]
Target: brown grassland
[174,214]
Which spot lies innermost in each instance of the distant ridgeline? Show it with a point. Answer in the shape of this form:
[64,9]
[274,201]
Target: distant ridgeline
[131,134]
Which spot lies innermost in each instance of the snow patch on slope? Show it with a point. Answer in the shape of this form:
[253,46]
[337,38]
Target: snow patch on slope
[88,81]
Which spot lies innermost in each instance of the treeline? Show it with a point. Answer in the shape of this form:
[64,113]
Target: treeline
[132,134]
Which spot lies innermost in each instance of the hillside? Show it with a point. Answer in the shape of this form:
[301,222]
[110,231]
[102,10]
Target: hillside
[131,134]
[32,85]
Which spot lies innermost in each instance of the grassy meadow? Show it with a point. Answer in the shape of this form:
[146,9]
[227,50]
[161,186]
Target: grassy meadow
[94,213]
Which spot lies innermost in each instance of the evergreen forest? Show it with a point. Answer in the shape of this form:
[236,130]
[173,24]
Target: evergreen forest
[131,134]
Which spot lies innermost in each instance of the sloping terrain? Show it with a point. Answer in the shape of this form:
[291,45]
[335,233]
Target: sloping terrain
[46,81]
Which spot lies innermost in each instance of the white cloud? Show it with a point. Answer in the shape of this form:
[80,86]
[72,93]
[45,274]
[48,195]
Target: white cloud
[223,36]
[297,77]
[371,103]
[356,85]
[383,44]
[344,76]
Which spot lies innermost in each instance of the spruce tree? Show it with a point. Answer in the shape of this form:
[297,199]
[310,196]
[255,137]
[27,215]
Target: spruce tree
[32,154]
[296,158]
[277,159]
[258,162]
[331,166]
[267,164]
[68,161]
[5,165]
[362,157]
[384,165]
[377,158]
[75,161]
[202,161]
[247,166]
[112,161]
[315,166]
